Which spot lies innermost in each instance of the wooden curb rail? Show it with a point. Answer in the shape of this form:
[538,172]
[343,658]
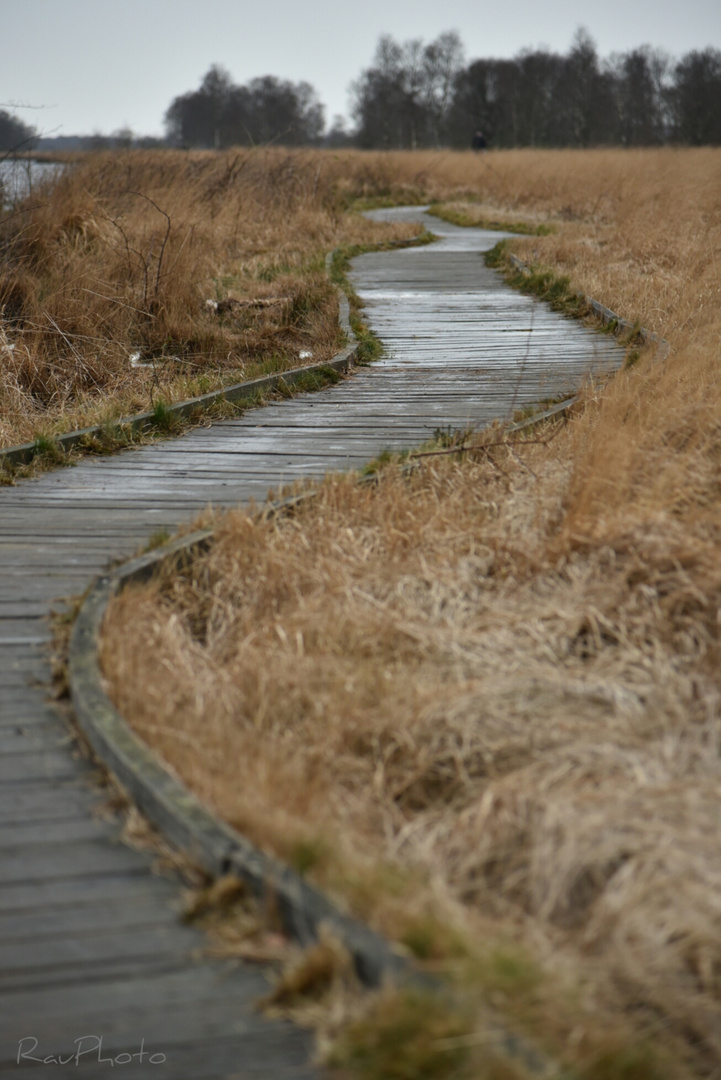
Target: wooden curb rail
[173,809]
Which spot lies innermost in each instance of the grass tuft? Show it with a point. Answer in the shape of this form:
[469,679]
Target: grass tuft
[407,1035]
[157,540]
[49,450]
[164,419]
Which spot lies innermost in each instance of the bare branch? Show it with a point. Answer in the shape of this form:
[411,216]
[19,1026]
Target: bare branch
[141,195]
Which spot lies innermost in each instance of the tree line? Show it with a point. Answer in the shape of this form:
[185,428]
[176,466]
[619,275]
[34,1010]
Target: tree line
[417,94]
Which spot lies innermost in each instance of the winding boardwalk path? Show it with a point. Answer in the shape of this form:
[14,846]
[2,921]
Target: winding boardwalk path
[90,943]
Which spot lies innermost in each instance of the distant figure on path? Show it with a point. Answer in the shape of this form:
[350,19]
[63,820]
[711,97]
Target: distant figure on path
[479,141]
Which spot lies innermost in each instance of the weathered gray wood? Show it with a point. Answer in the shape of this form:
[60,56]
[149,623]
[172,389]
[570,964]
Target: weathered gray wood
[38,800]
[44,862]
[86,928]
[39,925]
[94,887]
[47,764]
[18,959]
[16,739]
[59,830]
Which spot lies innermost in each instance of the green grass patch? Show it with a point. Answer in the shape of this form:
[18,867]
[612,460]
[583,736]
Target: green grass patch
[405,195]
[308,382]
[274,269]
[429,939]
[630,1063]
[164,419]
[308,854]
[539,281]
[415,1034]
[455,216]
[49,450]
[379,462]
[407,1035]
[156,540]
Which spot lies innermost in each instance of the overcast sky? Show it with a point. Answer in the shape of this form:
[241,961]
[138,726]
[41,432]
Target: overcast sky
[99,65]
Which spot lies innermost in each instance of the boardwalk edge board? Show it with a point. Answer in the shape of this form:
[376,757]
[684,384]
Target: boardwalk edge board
[342,361]
[174,810]
[607,316]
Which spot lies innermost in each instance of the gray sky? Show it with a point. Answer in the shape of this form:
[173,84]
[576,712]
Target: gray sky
[98,65]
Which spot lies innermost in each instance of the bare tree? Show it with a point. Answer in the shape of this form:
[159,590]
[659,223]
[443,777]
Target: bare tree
[14,134]
[696,98]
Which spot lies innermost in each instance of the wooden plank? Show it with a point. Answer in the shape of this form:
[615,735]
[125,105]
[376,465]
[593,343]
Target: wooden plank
[47,764]
[46,862]
[40,925]
[40,801]
[191,985]
[27,709]
[16,739]
[72,827]
[93,887]
[90,971]
[73,951]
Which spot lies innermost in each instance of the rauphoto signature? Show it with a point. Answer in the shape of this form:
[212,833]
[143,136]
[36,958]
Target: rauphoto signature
[87,1047]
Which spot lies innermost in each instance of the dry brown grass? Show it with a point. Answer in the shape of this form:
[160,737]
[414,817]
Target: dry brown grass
[480,703]
[117,259]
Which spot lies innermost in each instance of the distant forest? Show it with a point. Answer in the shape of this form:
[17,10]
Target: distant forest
[426,95]
[416,95]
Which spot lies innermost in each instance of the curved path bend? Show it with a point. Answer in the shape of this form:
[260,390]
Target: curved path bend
[90,943]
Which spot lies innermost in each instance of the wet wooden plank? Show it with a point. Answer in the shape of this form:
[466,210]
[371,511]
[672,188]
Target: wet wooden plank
[46,862]
[17,739]
[41,925]
[62,895]
[48,763]
[63,828]
[42,958]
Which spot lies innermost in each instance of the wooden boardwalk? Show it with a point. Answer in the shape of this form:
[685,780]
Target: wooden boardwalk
[90,942]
